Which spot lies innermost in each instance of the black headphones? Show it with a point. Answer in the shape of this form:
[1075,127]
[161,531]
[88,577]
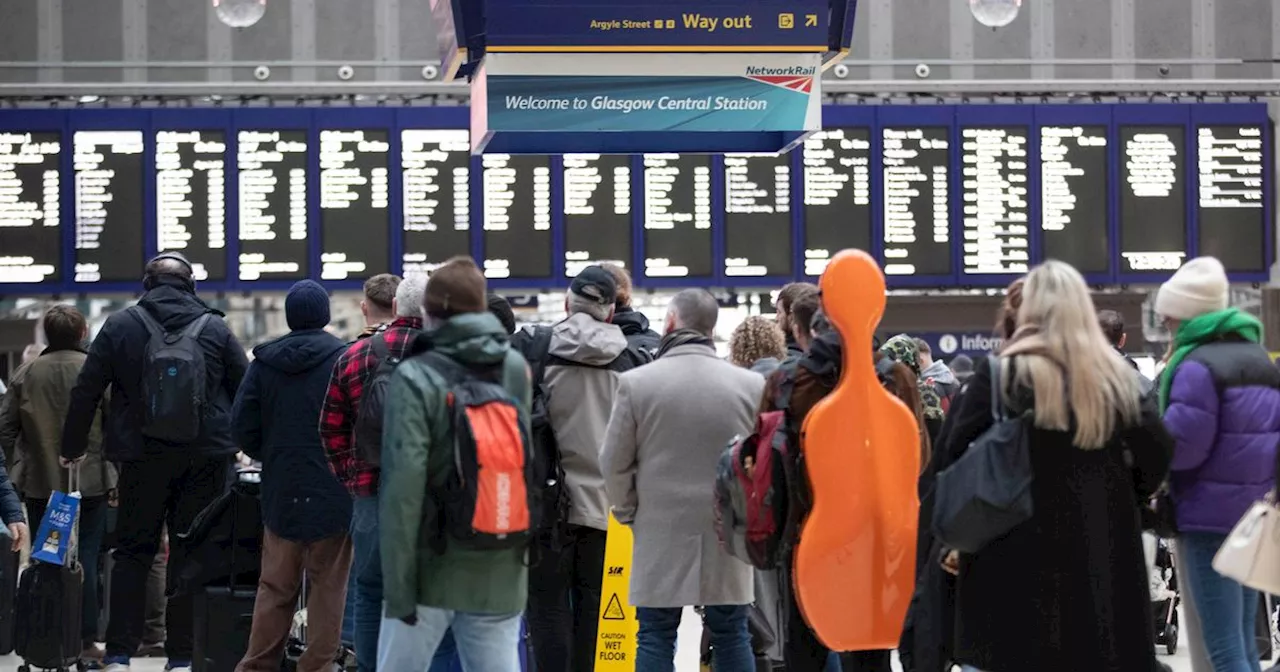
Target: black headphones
[149,280]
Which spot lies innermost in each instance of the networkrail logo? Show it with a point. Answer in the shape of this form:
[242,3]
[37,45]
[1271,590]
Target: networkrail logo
[794,78]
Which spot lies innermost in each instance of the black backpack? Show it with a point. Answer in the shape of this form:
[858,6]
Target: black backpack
[546,450]
[492,497]
[366,433]
[173,380]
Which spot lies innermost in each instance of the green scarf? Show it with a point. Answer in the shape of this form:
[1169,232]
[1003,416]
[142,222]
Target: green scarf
[1200,330]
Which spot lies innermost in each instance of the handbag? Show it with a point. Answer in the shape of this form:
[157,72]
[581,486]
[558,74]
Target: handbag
[987,491]
[1251,554]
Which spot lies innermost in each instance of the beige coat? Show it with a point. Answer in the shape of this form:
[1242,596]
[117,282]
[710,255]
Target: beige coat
[671,419]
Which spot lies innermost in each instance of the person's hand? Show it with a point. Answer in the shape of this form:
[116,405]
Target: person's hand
[951,563]
[67,464]
[19,533]
[410,620]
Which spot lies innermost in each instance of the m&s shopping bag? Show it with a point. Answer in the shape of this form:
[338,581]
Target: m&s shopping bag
[55,542]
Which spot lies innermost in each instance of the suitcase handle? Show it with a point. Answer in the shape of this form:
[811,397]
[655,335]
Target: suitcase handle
[73,477]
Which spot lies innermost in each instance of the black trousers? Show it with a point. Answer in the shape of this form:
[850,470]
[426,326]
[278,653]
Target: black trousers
[163,489]
[564,601]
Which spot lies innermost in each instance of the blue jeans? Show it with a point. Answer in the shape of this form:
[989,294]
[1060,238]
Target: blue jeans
[446,657]
[486,642]
[730,640]
[1227,609]
[367,569]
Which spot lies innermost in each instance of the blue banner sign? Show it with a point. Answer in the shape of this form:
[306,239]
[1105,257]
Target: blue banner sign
[946,345]
[676,25]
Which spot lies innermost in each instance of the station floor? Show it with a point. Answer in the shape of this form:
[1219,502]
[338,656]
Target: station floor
[686,653]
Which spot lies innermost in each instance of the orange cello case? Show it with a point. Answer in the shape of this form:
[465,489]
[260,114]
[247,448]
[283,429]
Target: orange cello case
[855,563]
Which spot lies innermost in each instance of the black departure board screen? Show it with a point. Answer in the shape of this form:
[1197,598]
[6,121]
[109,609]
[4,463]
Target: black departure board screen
[191,198]
[1074,224]
[436,175]
[354,213]
[757,219]
[1153,206]
[273,204]
[108,174]
[517,216]
[837,195]
[597,211]
[30,220]
[997,211]
[1230,203]
[917,202]
[677,216]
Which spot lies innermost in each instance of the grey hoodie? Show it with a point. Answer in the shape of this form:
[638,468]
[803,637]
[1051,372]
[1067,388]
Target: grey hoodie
[584,361]
[943,378]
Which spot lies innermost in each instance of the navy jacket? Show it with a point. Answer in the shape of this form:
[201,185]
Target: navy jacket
[116,359]
[635,326]
[277,421]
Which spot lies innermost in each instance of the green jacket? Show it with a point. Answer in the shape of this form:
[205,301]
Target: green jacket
[417,456]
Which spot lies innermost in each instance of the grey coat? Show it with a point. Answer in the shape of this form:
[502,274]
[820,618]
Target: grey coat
[671,420]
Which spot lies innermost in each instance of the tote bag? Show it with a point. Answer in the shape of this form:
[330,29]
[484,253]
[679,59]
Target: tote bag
[1251,553]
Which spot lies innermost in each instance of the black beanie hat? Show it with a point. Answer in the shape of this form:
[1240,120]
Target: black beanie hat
[306,306]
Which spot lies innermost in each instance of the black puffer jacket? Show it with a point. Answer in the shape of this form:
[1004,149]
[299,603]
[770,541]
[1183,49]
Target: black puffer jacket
[635,326]
[116,359]
[277,421]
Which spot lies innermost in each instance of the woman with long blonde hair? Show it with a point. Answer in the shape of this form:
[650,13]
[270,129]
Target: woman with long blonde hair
[1066,590]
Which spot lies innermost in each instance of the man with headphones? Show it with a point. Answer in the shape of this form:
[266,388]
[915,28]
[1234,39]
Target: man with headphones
[170,433]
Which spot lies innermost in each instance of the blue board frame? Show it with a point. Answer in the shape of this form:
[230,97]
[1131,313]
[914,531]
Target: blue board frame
[875,118]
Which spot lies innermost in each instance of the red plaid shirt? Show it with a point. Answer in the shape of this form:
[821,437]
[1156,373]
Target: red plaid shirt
[351,373]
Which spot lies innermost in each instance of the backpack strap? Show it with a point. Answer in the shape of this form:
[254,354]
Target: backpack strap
[997,399]
[147,321]
[382,352]
[539,352]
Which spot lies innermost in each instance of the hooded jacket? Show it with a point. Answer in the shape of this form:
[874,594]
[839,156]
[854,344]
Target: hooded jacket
[942,378]
[277,420]
[417,459]
[31,419]
[1224,412]
[584,361]
[635,326]
[117,360]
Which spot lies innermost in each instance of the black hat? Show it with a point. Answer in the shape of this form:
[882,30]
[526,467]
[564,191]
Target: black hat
[306,306]
[595,284]
[501,309]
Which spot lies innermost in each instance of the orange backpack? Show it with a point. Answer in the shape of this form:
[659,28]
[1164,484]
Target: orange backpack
[491,499]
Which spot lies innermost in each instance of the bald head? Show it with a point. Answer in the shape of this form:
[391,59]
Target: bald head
[694,309]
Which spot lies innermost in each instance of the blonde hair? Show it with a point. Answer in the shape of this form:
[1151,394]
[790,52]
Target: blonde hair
[754,339]
[1066,361]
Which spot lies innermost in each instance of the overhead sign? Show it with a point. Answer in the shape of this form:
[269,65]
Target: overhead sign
[946,345]
[451,39]
[616,635]
[656,26]
[663,95]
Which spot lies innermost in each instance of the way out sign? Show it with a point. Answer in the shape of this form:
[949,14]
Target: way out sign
[616,640]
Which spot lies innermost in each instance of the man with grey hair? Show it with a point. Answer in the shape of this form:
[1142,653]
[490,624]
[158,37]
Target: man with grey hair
[670,421]
[578,362]
[352,374]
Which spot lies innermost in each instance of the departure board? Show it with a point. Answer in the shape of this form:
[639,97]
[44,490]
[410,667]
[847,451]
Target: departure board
[191,198]
[837,195]
[1230,203]
[757,220]
[1074,175]
[273,204]
[917,201]
[30,220]
[677,216]
[436,174]
[1153,206]
[354,212]
[597,211]
[517,216]
[996,212]
[108,176]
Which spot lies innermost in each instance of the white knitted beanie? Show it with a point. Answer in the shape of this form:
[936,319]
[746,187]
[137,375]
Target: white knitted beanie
[1199,287]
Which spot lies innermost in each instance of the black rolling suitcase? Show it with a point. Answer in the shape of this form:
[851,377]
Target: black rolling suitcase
[224,610]
[49,611]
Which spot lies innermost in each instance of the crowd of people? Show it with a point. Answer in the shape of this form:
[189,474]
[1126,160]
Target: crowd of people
[445,482]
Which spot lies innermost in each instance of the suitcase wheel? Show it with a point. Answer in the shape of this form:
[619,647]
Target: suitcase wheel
[1171,638]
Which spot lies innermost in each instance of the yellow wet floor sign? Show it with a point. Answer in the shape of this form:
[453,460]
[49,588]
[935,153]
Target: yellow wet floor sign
[616,641]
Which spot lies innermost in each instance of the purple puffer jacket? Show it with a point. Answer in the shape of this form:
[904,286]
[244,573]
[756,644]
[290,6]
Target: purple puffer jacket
[1224,412]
